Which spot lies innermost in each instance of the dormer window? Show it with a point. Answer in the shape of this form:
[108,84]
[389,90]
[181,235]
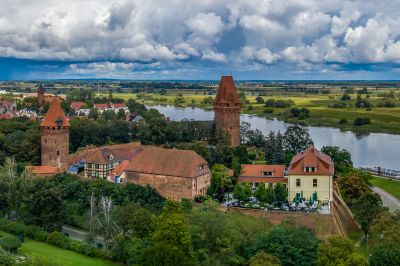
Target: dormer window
[266,173]
[59,122]
[201,167]
[310,169]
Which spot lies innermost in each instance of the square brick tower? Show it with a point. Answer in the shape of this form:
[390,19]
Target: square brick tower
[40,95]
[54,131]
[227,109]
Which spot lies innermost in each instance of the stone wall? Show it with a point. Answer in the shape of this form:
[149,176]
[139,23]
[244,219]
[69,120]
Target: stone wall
[171,187]
[323,225]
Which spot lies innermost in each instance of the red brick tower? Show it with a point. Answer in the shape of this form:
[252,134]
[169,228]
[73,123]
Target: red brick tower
[227,109]
[40,95]
[54,131]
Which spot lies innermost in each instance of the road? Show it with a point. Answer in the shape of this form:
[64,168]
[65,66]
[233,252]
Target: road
[388,200]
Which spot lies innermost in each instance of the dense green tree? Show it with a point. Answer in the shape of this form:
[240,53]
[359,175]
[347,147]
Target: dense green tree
[242,192]
[270,194]
[274,148]
[165,254]
[259,99]
[341,158]
[293,246]
[220,180]
[93,114]
[43,205]
[280,192]
[352,186]
[365,209]
[339,251]
[13,187]
[263,259]
[172,229]
[135,221]
[261,193]
[297,139]
[385,254]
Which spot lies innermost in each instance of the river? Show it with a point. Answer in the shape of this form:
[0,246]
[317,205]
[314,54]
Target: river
[374,149]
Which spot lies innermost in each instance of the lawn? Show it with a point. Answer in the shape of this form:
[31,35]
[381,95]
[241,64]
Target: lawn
[59,256]
[390,186]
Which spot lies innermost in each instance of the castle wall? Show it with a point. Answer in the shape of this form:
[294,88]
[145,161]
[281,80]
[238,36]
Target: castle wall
[228,119]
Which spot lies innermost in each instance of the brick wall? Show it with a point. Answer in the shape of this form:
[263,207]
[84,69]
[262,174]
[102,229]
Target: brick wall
[55,147]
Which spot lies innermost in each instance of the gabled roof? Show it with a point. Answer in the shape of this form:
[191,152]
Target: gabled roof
[169,162]
[311,157]
[256,170]
[100,105]
[227,92]
[54,114]
[77,105]
[105,155]
[117,171]
[118,105]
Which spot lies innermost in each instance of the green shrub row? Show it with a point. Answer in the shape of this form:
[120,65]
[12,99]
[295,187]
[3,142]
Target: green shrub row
[57,239]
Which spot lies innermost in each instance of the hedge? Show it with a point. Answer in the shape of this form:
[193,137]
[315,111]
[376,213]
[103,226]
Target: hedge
[57,239]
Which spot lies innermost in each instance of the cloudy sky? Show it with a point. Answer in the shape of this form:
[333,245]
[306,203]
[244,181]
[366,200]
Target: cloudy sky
[200,39]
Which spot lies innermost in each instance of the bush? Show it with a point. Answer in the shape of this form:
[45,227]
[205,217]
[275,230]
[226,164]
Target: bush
[359,121]
[343,121]
[5,258]
[269,111]
[58,239]
[10,243]
[345,97]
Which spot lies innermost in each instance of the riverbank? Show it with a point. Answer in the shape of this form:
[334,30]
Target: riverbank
[383,120]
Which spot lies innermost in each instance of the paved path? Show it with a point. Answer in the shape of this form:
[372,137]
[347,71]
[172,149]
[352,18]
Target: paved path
[388,200]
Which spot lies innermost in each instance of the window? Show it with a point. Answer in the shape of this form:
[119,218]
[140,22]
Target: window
[96,166]
[310,169]
[267,173]
[315,182]
[89,165]
[201,167]
[58,153]
[298,182]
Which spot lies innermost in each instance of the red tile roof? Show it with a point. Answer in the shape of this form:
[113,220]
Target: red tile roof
[263,179]
[169,162]
[77,105]
[104,155]
[256,170]
[118,105]
[101,106]
[117,171]
[41,170]
[311,157]
[227,91]
[55,113]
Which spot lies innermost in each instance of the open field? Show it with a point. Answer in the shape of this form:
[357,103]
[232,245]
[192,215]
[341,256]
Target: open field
[390,186]
[384,119]
[59,256]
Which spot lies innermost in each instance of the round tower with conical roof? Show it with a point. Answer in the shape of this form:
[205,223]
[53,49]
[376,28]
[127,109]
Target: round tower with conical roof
[54,131]
[227,109]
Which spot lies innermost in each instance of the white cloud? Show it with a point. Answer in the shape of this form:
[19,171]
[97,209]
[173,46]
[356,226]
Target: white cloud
[303,32]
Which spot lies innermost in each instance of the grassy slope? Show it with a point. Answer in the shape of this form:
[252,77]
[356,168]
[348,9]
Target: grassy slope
[386,120]
[60,256]
[390,186]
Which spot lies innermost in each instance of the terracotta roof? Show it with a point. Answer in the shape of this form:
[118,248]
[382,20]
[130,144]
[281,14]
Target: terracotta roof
[6,116]
[256,170]
[117,171]
[227,91]
[169,162]
[101,106]
[77,105]
[54,114]
[40,170]
[263,179]
[118,105]
[311,157]
[103,156]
